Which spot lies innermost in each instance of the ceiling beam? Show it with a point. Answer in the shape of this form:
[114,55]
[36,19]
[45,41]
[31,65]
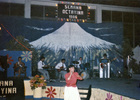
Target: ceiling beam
[92,6]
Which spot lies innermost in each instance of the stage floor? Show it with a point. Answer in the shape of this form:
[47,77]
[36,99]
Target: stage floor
[121,86]
[125,87]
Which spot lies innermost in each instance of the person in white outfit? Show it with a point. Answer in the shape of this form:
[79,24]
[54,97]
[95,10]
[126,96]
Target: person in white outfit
[105,67]
[80,65]
[45,73]
[61,69]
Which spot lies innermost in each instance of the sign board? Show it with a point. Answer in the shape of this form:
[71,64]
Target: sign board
[11,89]
[69,11]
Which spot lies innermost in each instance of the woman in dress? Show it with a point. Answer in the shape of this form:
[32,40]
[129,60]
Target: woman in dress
[71,90]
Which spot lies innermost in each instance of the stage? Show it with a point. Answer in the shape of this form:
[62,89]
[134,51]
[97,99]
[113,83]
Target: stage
[118,88]
[128,89]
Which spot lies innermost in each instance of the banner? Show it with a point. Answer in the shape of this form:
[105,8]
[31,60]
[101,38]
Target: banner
[69,11]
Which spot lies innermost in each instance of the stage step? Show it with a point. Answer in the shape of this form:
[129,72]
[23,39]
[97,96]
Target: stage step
[83,98]
[82,88]
[85,93]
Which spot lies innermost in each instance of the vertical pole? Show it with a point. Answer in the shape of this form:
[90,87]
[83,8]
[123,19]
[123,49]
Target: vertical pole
[133,31]
[111,16]
[44,14]
[98,14]
[27,9]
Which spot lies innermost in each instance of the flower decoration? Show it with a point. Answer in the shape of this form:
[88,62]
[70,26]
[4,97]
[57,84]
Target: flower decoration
[9,59]
[38,81]
[50,92]
[109,97]
[121,98]
[26,55]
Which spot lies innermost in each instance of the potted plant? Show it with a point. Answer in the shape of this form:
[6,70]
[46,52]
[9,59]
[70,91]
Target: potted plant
[38,83]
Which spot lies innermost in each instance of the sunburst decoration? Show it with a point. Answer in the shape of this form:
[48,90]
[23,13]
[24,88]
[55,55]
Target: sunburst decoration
[9,59]
[50,92]
[109,96]
[26,55]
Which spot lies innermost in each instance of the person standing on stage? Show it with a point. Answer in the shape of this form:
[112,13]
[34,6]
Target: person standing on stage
[61,69]
[105,66]
[45,73]
[70,90]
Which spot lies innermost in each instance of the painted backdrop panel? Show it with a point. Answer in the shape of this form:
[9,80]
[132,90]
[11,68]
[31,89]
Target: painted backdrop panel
[69,40]
[13,58]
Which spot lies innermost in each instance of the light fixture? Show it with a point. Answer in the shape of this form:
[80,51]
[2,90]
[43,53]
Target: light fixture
[73,3]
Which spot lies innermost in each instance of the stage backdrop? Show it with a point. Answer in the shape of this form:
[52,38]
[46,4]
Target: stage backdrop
[13,58]
[69,40]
